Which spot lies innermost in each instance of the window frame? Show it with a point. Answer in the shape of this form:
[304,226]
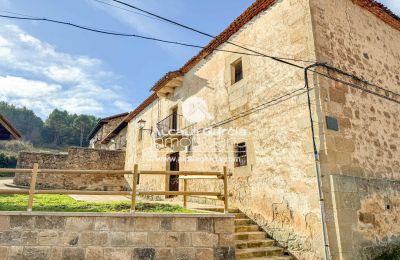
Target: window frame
[234,67]
[240,154]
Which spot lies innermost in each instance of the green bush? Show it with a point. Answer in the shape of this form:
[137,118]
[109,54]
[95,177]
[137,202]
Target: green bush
[393,255]
[7,161]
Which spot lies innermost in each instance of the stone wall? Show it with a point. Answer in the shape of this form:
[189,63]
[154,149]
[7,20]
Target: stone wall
[277,188]
[79,159]
[366,213]
[367,142]
[105,236]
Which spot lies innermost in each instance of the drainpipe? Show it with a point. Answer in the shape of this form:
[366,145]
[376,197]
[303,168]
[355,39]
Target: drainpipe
[317,163]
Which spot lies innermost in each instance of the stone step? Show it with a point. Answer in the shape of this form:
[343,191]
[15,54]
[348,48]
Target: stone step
[240,215]
[233,210]
[254,235]
[242,244]
[243,221]
[247,228]
[258,252]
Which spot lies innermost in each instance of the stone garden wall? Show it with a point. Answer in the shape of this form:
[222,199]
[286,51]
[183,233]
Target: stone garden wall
[76,158]
[116,236]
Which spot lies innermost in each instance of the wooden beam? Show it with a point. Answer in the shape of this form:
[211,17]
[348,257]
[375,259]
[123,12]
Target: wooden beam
[187,173]
[178,193]
[33,186]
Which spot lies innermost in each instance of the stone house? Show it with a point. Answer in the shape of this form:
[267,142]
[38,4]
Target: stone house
[102,129]
[252,113]
[7,130]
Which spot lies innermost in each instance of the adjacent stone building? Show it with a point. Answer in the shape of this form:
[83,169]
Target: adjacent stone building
[252,113]
[102,129]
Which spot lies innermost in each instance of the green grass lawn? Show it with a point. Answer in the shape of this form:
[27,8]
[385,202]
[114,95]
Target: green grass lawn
[64,203]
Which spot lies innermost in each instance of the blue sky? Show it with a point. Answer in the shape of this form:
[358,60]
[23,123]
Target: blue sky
[45,66]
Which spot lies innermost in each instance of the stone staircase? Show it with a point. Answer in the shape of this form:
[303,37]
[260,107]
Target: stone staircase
[252,242]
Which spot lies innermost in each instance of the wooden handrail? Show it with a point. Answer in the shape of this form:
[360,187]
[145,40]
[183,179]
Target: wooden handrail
[134,193]
[15,170]
[187,173]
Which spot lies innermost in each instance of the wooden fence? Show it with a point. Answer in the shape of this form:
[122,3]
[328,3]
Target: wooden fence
[133,194]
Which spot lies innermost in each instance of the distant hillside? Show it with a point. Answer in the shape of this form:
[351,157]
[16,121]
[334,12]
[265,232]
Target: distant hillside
[59,130]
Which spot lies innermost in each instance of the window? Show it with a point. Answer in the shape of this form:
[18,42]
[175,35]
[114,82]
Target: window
[240,154]
[237,71]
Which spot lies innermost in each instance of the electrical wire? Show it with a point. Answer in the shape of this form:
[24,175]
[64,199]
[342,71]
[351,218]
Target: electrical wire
[248,49]
[102,31]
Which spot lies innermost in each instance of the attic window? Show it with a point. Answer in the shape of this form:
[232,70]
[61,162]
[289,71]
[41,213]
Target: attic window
[237,71]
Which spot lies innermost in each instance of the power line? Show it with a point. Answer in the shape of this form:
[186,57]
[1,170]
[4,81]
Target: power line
[97,30]
[248,49]
[125,9]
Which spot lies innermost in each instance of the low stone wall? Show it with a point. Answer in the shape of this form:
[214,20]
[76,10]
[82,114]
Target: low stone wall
[116,236]
[365,218]
[76,158]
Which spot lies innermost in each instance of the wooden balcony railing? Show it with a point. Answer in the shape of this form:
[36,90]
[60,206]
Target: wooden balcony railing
[133,194]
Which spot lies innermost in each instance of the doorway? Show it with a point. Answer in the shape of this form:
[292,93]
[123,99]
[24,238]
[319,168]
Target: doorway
[174,119]
[173,183]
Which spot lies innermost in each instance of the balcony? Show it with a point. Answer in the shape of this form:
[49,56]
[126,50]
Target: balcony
[171,129]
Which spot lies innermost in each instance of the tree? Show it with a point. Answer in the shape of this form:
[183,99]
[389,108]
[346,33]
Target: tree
[83,124]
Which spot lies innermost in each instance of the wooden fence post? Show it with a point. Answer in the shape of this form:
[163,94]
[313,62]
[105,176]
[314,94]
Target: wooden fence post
[134,183]
[225,190]
[185,189]
[33,186]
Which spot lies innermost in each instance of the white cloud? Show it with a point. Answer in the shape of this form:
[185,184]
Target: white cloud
[36,75]
[124,106]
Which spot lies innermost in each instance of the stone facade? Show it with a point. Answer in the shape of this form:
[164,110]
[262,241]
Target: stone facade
[363,155]
[103,128]
[60,236]
[278,185]
[79,159]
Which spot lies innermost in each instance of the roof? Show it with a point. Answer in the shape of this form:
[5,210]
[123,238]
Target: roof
[9,127]
[129,117]
[376,8]
[103,121]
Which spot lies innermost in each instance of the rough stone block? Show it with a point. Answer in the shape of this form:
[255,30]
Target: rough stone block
[144,253]
[15,252]
[110,253]
[123,224]
[22,222]
[68,238]
[137,239]
[94,253]
[73,253]
[224,253]
[4,223]
[187,253]
[36,253]
[117,238]
[79,224]
[226,239]
[176,239]
[204,254]
[157,238]
[185,224]
[91,238]
[205,224]
[3,252]
[29,237]
[56,253]
[147,224]
[224,225]
[166,224]
[203,239]
[164,253]
[49,222]
[103,224]
[47,237]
